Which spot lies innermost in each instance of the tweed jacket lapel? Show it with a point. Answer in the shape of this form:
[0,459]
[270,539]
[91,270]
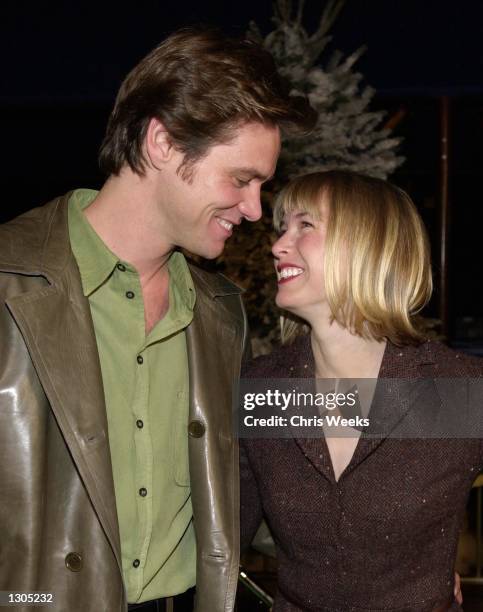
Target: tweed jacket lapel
[401,383]
[314,449]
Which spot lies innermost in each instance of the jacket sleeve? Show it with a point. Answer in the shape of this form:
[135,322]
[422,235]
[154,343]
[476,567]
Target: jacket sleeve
[250,503]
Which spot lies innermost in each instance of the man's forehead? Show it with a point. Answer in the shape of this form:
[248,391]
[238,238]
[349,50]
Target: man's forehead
[254,136]
[252,149]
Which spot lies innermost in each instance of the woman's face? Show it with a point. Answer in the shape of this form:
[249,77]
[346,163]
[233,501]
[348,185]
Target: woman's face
[299,262]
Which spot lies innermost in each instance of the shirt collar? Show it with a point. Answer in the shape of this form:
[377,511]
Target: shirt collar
[180,279]
[96,262]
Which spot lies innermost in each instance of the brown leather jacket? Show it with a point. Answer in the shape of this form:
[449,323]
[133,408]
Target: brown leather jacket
[58,520]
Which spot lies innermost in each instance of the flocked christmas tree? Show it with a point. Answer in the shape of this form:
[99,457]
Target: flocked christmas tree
[348,135]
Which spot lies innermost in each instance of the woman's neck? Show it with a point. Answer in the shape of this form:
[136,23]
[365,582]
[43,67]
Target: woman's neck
[340,354]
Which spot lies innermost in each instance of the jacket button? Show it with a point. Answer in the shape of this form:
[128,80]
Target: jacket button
[196,429]
[73,561]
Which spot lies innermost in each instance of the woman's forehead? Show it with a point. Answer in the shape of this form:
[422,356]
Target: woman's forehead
[295,215]
[315,210]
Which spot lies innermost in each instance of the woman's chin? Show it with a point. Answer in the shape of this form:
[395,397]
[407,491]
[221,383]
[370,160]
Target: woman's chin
[281,303]
[287,305]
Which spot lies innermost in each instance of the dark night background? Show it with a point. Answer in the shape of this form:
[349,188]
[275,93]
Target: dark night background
[62,63]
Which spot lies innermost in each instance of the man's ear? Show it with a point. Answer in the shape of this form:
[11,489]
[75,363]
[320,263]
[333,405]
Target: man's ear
[158,144]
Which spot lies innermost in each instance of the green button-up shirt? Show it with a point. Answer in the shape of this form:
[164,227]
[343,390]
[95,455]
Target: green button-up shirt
[146,392]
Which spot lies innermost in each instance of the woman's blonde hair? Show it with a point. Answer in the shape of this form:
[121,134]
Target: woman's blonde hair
[376,262]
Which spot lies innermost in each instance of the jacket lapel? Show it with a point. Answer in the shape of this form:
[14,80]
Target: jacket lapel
[399,388]
[314,449]
[391,403]
[214,362]
[214,340]
[60,339]
[57,328]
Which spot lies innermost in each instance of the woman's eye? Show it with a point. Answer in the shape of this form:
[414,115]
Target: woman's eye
[306,224]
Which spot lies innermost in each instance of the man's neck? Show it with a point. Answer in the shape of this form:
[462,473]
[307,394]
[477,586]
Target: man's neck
[124,216]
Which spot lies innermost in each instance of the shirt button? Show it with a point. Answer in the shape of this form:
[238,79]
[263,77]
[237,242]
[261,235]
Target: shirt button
[139,424]
[136,563]
[143,492]
[139,359]
[121,267]
[129,295]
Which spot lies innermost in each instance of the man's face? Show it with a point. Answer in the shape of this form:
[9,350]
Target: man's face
[201,214]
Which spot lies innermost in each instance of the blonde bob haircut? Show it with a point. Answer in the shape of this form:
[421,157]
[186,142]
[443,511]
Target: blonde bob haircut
[377,266]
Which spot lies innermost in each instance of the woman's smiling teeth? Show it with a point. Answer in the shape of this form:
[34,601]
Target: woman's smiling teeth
[289,272]
[225,224]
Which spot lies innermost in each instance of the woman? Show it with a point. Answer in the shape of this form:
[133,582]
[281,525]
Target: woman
[360,524]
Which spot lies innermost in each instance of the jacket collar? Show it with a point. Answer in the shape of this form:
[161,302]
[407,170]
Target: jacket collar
[405,368]
[213,285]
[37,243]
[397,362]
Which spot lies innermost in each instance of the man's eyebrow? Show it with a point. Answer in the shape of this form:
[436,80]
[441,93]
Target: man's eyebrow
[253,173]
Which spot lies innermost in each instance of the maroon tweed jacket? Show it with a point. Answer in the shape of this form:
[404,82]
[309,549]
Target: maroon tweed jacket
[384,536]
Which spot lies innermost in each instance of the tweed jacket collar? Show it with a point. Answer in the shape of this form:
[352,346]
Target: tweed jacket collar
[392,402]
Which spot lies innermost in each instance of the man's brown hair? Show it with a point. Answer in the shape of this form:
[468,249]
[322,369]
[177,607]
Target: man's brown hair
[201,85]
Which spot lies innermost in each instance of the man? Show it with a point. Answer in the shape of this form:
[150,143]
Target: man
[119,473]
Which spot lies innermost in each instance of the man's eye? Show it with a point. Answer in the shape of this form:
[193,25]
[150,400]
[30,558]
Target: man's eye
[241,182]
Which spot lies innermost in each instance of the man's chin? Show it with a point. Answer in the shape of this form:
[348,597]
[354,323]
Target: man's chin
[212,252]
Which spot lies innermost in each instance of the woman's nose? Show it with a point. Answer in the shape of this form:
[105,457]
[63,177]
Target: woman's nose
[281,246]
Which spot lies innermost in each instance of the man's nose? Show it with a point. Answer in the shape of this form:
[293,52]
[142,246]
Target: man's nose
[251,206]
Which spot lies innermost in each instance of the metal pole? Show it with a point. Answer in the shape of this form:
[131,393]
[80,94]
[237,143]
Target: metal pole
[445,212]
[479,511]
[262,595]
